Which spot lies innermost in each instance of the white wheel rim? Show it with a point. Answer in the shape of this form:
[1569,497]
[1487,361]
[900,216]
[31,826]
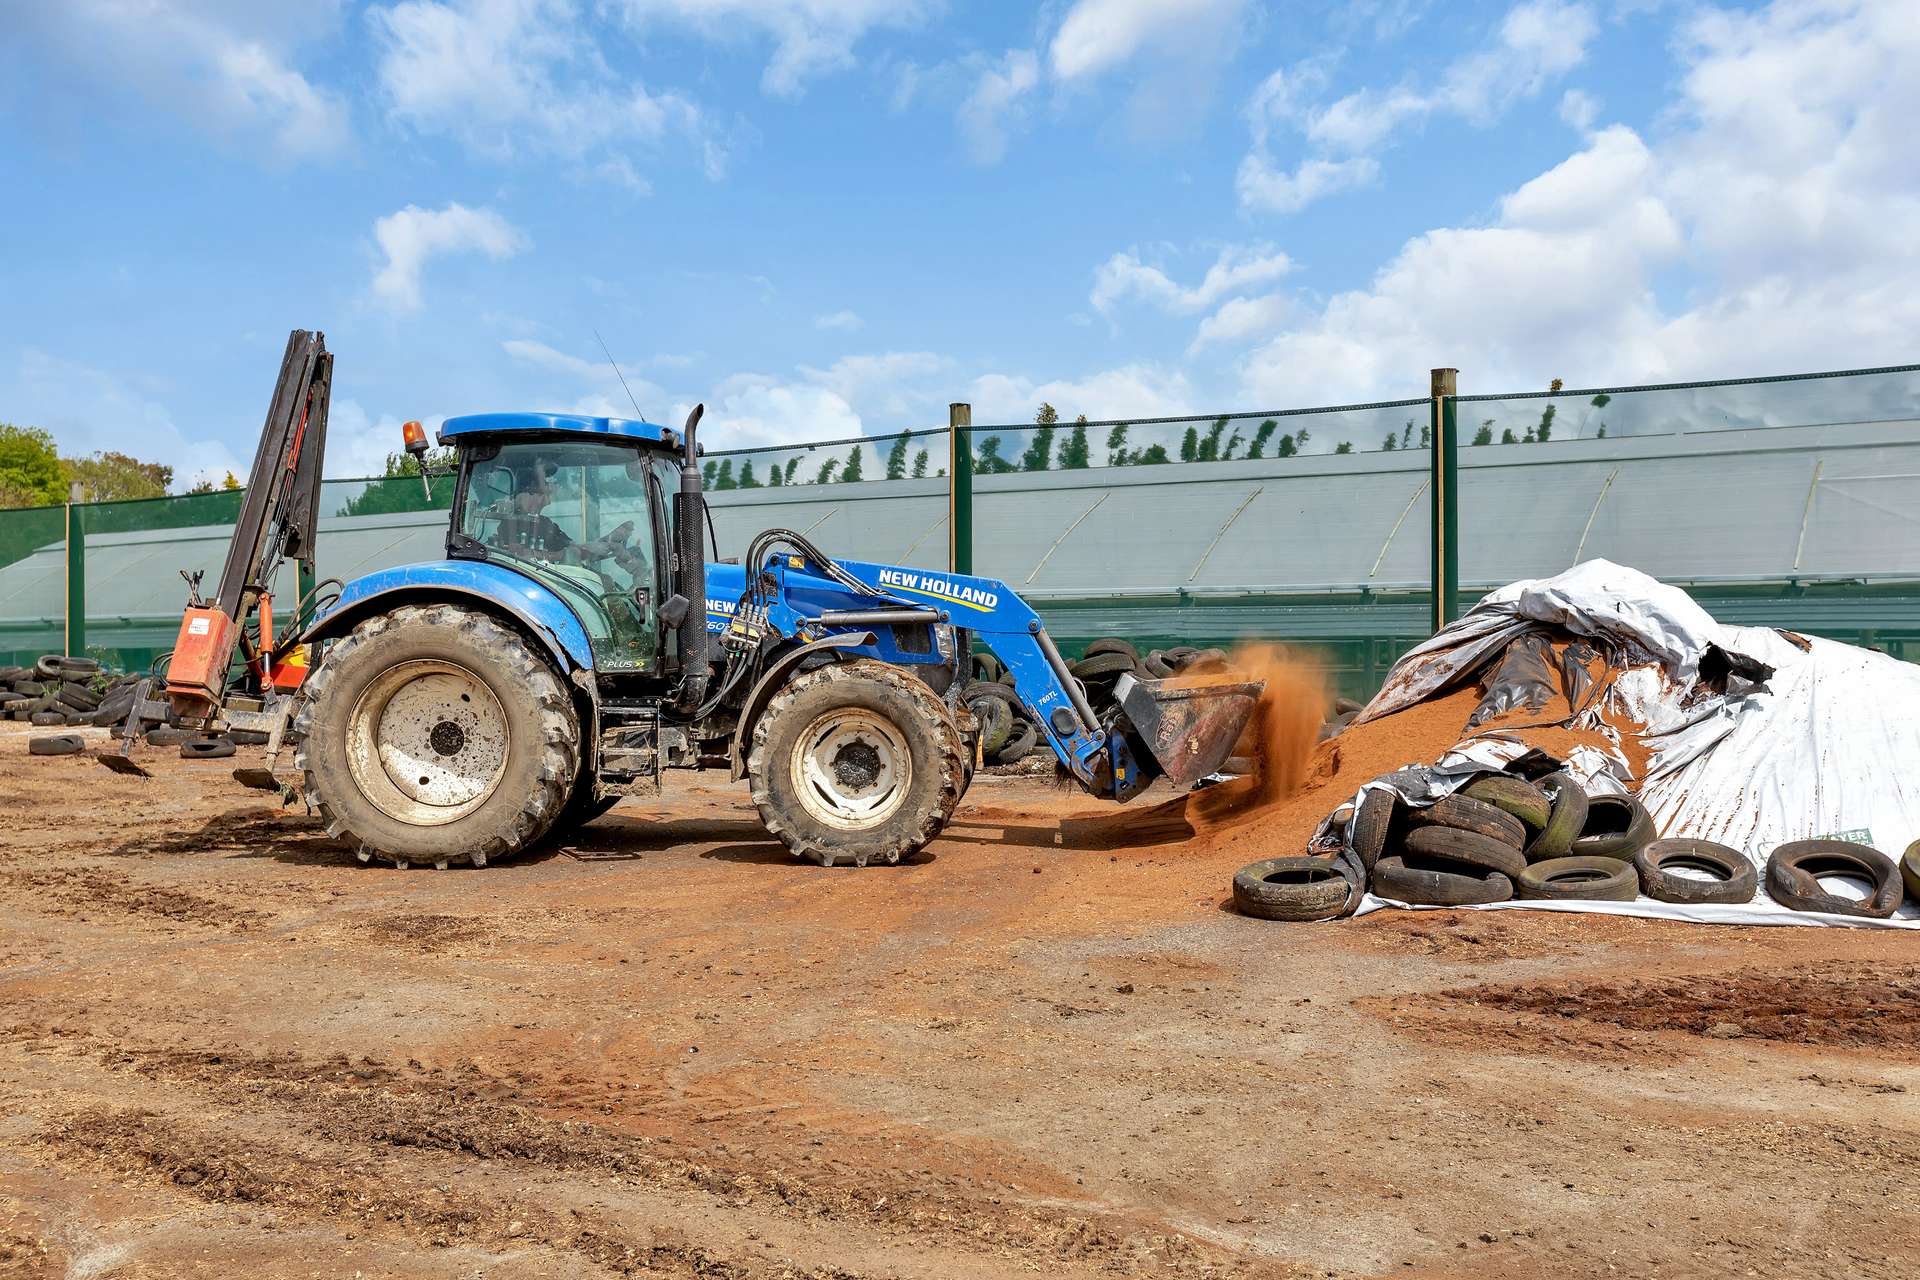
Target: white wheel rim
[427,742]
[851,769]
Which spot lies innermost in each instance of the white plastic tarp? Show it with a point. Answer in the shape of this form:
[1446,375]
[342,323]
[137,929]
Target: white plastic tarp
[1829,746]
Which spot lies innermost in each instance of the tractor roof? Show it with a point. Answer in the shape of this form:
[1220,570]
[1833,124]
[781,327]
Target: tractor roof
[572,424]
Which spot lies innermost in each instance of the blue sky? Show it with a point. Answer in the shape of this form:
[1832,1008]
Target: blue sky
[826,217]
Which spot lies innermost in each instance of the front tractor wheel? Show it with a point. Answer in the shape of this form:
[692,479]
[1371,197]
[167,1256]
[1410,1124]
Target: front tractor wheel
[436,734]
[856,762]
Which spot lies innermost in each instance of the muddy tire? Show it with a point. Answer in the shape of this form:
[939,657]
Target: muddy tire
[436,734]
[1579,880]
[1380,816]
[1734,879]
[1463,813]
[1424,882]
[1616,827]
[856,762]
[56,744]
[1512,795]
[206,749]
[1468,848]
[1296,889]
[1568,816]
[1794,871]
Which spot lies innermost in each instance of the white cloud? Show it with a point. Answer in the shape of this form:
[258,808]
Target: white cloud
[1131,391]
[358,444]
[1538,41]
[811,37]
[995,106]
[224,67]
[1099,35]
[1238,267]
[1773,225]
[750,409]
[503,76]
[1243,318]
[843,321]
[413,235]
[1264,187]
[1579,109]
[614,392]
[898,388]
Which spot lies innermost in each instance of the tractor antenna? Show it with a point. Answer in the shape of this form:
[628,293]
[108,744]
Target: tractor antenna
[616,373]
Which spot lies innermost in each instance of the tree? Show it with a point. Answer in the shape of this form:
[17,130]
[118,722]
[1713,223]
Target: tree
[725,479]
[1601,434]
[1260,437]
[990,463]
[1288,446]
[1046,415]
[30,470]
[1485,434]
[1039,453]
[897,458]
[1117,445]
[747,479]
[793,465]
[1209,448]
[1527,438]
[1555,386]
[920,464]
[1190,445]
[1426,435]
[1506,437]
[1345,446]
[708,472]
[774,480]
[850,474]
[398,489]
[1406,437]
[1234,441]
[1545,432]
[827,469]
[115,477]
[1151,456]
[1393,442]
[1302,438]
[1594,405]
[1074,456]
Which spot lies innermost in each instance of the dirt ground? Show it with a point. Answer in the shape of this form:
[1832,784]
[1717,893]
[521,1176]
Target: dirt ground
[1047,1047]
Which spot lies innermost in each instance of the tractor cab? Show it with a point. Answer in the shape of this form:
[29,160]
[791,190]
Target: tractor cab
[582,506]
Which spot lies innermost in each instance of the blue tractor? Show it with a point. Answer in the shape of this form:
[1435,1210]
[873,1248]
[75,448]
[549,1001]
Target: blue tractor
[575,643]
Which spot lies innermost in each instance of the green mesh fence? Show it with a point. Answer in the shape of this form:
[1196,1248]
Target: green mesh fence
[1787,501]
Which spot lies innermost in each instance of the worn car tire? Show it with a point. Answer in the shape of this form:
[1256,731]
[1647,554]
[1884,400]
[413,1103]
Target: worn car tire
[1102,666]
[512,705]
[1019,745]
[1464,813]
[1592,879]
[1295,889]
[1568,816]
[1468,848]
[206,748]
[1114,644]
[1794,869]
[992,705]
[1425,882]
[1515,796]
[45,718]
[1734,878]
[1910,870]
[883,718]
[58,666]
[56,744]
[1381,816]
[1616,827]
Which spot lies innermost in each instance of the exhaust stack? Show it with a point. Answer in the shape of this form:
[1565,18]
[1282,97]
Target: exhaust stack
[690,545]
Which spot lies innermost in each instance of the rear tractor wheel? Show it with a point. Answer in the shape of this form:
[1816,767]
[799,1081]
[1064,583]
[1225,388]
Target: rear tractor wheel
[856,762]
[436,734]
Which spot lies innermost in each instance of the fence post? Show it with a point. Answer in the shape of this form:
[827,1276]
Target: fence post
[76,639]
[959,488]
[1443,481]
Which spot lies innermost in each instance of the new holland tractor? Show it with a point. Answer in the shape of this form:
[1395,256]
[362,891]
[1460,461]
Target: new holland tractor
[574,643]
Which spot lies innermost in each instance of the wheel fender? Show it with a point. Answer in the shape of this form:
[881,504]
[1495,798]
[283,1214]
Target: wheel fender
[770,681]
[544,614]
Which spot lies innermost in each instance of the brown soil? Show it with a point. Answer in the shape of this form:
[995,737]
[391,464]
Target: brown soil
[1043,1048]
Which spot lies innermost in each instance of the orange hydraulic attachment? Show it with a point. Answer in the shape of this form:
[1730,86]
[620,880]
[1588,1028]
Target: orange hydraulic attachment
[197,673]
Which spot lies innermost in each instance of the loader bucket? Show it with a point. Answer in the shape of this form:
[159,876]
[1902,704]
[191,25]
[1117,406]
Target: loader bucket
[1189,726]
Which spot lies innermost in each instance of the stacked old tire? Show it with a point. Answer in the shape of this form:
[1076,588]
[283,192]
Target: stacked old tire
[58,690]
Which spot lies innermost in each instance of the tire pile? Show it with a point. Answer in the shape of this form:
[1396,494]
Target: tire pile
[1504,837]
[1007,736]
[61,689]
